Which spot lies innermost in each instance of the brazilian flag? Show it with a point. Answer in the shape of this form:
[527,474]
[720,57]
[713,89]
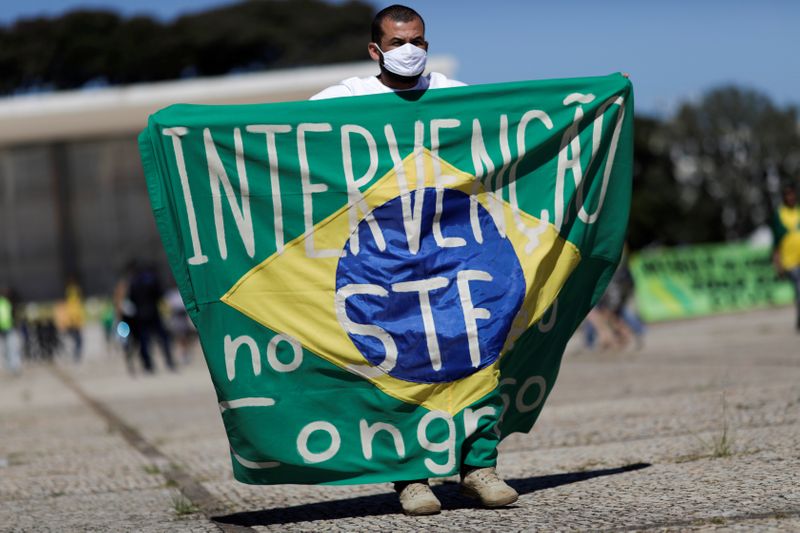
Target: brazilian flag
[384,285]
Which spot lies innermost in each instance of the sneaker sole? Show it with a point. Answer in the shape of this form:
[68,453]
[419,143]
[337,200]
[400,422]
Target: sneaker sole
[493,503]
[424,510]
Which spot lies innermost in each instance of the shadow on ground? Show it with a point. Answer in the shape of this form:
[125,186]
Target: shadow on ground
[382,504]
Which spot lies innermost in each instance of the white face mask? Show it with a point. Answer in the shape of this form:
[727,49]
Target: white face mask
[407,60]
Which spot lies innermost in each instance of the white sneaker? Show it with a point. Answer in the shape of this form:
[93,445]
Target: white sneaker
[417,498]
[483,483]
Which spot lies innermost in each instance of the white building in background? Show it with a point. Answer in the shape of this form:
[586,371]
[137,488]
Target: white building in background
[73,198]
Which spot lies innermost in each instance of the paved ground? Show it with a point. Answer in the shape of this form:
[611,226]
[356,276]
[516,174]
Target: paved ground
[700,430]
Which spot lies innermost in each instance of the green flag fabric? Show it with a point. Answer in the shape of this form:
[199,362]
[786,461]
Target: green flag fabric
[384,285]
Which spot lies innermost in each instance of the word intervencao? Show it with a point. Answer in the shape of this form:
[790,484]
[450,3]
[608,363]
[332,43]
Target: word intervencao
[486,166]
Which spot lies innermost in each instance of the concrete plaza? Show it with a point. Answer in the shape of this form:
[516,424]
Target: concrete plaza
[698,430]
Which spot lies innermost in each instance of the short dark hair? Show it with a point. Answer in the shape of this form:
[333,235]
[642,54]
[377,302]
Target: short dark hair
[396,13]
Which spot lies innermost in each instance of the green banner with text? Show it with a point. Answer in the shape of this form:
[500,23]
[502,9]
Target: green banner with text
[704,280]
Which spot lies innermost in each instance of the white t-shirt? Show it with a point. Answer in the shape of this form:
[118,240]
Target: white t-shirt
[372,85]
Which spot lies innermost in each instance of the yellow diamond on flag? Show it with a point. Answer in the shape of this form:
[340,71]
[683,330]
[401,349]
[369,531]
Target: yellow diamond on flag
[294,292]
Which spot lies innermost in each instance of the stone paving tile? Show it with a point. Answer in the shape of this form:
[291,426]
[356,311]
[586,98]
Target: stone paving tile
[650,375]
[555,493]
[66,450]
[612,420]
[134,511]
[64,469]
[763,525]
[36,388]
[662,406]
[767,443]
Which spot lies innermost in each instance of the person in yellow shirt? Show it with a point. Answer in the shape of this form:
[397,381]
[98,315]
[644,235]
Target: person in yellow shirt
[786,229]
[74,316]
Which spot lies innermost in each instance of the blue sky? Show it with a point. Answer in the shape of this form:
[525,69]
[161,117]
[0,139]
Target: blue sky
[674,50]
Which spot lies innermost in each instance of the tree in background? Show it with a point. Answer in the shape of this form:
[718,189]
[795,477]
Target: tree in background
[97,47]
[731,150]
[656,212]
[713,171]
[710,173]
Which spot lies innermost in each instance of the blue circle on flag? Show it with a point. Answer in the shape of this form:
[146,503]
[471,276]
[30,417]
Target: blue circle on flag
[436,314]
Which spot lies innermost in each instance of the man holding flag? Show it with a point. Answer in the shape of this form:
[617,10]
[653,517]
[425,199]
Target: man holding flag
[384,286]
[399,46]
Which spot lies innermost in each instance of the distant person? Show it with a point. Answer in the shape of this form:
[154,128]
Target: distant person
[9,340]
[23,325]
[607,325]
[124,314]
[597,329]
[786,231]
[107,320]
[42,332]
[399,47]
[180,325]
[74,317]
[144,293]
[624,320]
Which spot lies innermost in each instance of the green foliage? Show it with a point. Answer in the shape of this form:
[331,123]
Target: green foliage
[151,469]
[713,171]
[183,506]
[710,173]
[722,445]
[97,47]
[655,191]
[731,150]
